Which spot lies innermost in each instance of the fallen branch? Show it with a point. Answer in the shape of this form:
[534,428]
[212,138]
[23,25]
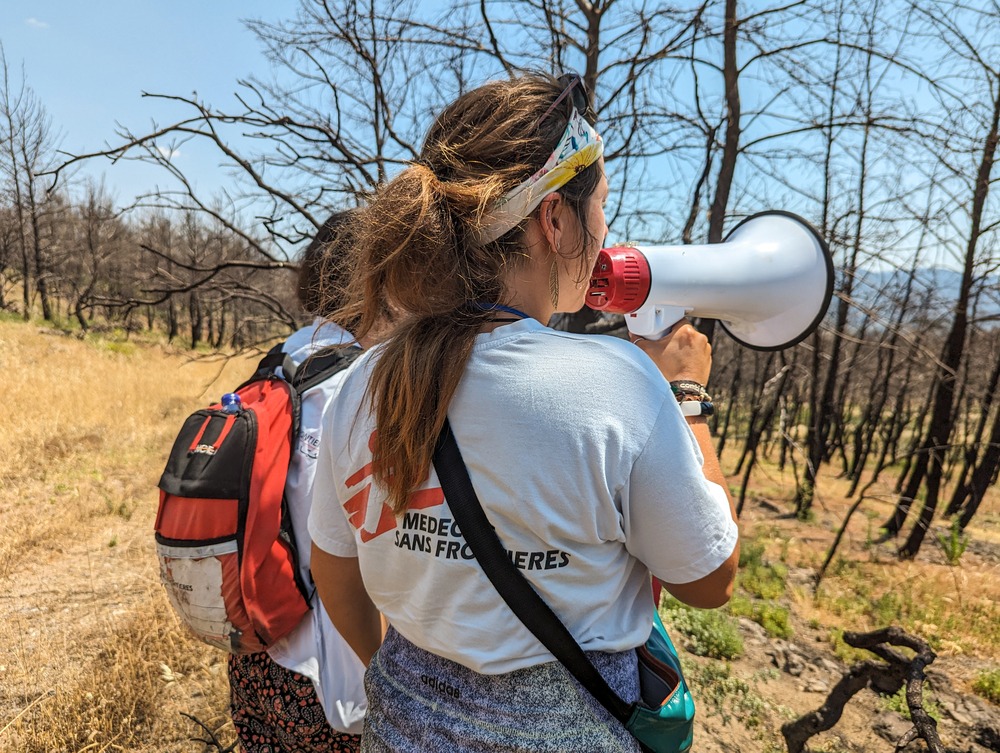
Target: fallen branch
[885,677]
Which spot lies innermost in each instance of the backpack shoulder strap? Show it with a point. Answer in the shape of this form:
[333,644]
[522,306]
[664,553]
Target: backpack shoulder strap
[322,365]
[269,364]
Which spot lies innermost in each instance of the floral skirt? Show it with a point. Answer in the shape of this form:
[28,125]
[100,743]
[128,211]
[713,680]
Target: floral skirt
[420,703]
[276,710]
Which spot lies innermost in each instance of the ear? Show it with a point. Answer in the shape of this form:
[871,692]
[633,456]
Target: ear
[552,219]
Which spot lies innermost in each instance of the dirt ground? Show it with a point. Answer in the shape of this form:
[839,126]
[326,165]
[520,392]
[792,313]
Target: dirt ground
[791,677]
[91,659]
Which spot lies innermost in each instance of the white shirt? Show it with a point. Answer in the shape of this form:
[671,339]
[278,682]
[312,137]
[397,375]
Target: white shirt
[583,464]
[315,648]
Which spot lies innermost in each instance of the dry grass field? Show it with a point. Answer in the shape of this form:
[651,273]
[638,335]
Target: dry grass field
[92,660]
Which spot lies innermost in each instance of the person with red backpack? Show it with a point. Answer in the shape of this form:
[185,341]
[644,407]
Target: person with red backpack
[306,691]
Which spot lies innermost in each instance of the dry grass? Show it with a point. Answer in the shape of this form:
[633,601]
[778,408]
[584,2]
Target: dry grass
[91,657]
[128,696]
[866,586]
[85,430]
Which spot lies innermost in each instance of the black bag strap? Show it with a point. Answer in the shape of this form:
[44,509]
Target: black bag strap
[267,365]
[513,587]
[315,369]
[322,365]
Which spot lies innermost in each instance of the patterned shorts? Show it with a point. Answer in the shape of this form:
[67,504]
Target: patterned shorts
[422,703]
[276,710]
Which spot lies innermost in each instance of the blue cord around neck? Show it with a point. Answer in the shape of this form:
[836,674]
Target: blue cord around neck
[500,307]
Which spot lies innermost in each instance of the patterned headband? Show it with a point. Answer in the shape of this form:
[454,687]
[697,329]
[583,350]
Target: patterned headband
[579,148]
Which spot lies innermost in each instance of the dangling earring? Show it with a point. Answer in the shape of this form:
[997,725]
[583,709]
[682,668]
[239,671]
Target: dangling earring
[554,284]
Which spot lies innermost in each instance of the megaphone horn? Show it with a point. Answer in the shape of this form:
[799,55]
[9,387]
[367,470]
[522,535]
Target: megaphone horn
[769,283]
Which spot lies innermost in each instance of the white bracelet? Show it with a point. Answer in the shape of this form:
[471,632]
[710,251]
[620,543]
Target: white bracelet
[696,408]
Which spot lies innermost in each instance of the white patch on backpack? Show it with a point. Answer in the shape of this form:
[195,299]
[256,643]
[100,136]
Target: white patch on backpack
[194,587]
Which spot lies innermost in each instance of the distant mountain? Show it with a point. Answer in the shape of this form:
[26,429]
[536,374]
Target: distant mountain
[934,291]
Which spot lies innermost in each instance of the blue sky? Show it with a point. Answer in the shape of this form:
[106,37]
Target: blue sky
[89,62]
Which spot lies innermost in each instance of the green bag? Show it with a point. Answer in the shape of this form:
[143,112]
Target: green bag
[664,721]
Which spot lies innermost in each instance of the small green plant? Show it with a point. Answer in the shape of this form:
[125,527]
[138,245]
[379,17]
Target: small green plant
[122,508]
[987,685]
[113,542]
[773,618]
[740,606]
[711,633]
[888,608]
[759,577]
[898,704]
[727,696]
[954,543]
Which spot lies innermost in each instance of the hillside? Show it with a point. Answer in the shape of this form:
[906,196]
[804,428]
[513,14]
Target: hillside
[933,293]
[92,660]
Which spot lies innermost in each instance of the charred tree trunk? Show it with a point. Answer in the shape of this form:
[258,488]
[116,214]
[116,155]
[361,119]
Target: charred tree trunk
[972,450]
[982,476]
[942,418]
[41,262]
[731,144]
[196,320]
[727,416]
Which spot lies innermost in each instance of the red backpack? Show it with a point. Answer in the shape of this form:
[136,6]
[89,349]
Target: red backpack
[223,532]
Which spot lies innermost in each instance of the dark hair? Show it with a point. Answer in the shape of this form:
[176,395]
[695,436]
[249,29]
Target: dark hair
[417,248]
[323,269]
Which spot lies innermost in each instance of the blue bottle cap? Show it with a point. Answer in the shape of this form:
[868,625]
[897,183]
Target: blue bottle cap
[231,403]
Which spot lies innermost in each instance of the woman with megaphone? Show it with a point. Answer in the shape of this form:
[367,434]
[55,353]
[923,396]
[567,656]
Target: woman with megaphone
[588,467]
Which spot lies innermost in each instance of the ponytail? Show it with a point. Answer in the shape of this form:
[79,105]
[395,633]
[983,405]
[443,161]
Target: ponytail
[417,256]
[417,259]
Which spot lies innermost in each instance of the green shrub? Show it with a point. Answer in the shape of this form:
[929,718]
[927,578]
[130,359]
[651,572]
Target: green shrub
[987,685]
[772,617]
[711,633]
[727,696]
[740,606]
[759,577]
[888,608]
[751,553]
[845,652]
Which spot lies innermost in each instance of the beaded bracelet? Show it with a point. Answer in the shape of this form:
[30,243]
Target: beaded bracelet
[685,389]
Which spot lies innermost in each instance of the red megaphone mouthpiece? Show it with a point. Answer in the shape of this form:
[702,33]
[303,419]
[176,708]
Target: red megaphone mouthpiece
[620,281]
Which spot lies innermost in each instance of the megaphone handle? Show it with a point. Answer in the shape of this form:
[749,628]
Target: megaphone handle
[654,322]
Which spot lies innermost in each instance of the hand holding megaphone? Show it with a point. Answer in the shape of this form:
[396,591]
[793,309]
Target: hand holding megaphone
[769,283]
[683,353]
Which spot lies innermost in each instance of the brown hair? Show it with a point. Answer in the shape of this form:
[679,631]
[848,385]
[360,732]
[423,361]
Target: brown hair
[323,268]
[416,248]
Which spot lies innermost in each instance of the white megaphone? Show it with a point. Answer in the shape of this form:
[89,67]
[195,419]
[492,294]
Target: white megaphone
[769,283]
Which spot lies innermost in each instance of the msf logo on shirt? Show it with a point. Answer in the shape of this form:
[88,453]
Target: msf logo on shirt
[357,506]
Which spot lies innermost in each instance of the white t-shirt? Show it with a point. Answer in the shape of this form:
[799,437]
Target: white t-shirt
[585,467]
[315,648]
